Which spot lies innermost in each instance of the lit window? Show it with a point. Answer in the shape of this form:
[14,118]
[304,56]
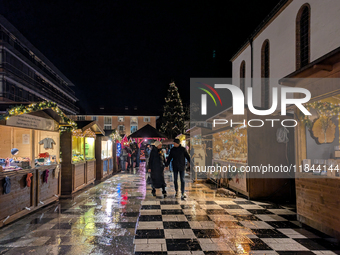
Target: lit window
[121,128]
[133,129]
[94,118]
[81,117]
[134,120]
[107,120]
[120,119]
[108,123]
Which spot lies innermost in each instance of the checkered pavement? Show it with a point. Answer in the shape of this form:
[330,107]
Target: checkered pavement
[206,224]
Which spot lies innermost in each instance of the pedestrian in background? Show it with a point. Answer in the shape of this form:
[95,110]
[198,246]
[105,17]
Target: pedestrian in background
[128,150]
[156,167]
[147,155]
[133,155]
[177,155]
[123,158]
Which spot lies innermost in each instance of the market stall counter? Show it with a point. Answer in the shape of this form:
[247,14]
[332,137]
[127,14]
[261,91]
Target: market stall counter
[78,157]
[29,158]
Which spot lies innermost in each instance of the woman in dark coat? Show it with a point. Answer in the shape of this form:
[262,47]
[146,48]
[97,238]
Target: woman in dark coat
[156,167]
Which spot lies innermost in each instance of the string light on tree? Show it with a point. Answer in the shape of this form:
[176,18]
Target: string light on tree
[173,115]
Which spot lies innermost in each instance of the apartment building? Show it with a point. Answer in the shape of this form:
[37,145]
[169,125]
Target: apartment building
[26,75]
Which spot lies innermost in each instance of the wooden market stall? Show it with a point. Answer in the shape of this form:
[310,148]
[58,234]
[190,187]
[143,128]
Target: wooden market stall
[29,158]
[317,144]
[78,156]
[104,156]
[239,148]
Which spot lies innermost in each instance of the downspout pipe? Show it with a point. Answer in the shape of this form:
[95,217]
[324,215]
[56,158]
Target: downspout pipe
[251,61]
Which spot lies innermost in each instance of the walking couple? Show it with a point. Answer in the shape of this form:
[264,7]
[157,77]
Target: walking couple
[157,164]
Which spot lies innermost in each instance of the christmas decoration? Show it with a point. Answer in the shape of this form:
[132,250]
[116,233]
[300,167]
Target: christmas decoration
[321,126]
[23,109]
[125,141]
[173,116]
[326,110]
[115,136]
[87,133]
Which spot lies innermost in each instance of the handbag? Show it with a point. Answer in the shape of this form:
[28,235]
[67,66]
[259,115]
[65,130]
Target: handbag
[149,180]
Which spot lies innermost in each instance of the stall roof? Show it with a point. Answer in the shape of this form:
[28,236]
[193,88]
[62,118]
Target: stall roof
[85,124]
[147,131]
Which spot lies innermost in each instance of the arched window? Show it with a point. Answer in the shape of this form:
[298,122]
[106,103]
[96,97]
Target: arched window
[303,36]
[265,74]
[242,76]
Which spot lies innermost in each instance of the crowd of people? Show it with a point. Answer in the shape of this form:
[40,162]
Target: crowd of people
[129,157]
[157,160]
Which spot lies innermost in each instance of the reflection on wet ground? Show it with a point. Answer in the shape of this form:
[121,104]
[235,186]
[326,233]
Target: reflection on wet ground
[120,216]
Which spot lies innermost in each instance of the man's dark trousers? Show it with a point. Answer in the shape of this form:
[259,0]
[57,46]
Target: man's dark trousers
[181,174]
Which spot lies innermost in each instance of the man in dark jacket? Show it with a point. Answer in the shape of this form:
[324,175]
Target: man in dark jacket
[178,154]
[156,167]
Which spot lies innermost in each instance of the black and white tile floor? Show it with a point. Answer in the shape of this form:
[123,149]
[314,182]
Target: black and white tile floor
[120,216]
[206,224]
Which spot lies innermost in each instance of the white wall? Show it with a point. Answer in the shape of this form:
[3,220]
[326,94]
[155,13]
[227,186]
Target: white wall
[324,37]
[246,56]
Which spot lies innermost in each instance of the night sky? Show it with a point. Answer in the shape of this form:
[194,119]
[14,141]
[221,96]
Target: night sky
[125,53]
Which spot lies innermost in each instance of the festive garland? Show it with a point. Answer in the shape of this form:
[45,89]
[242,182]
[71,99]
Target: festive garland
[115,135]
[323,109]
[23,109]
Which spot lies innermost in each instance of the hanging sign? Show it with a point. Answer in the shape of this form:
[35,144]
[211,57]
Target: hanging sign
[33,122]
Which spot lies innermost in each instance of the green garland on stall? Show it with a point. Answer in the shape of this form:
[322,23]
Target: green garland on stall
[323,109]
[23,109]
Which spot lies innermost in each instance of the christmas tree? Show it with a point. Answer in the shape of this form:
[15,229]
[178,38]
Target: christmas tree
[173,115]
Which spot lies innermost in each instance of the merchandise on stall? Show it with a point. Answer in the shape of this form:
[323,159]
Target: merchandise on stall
[29,152]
